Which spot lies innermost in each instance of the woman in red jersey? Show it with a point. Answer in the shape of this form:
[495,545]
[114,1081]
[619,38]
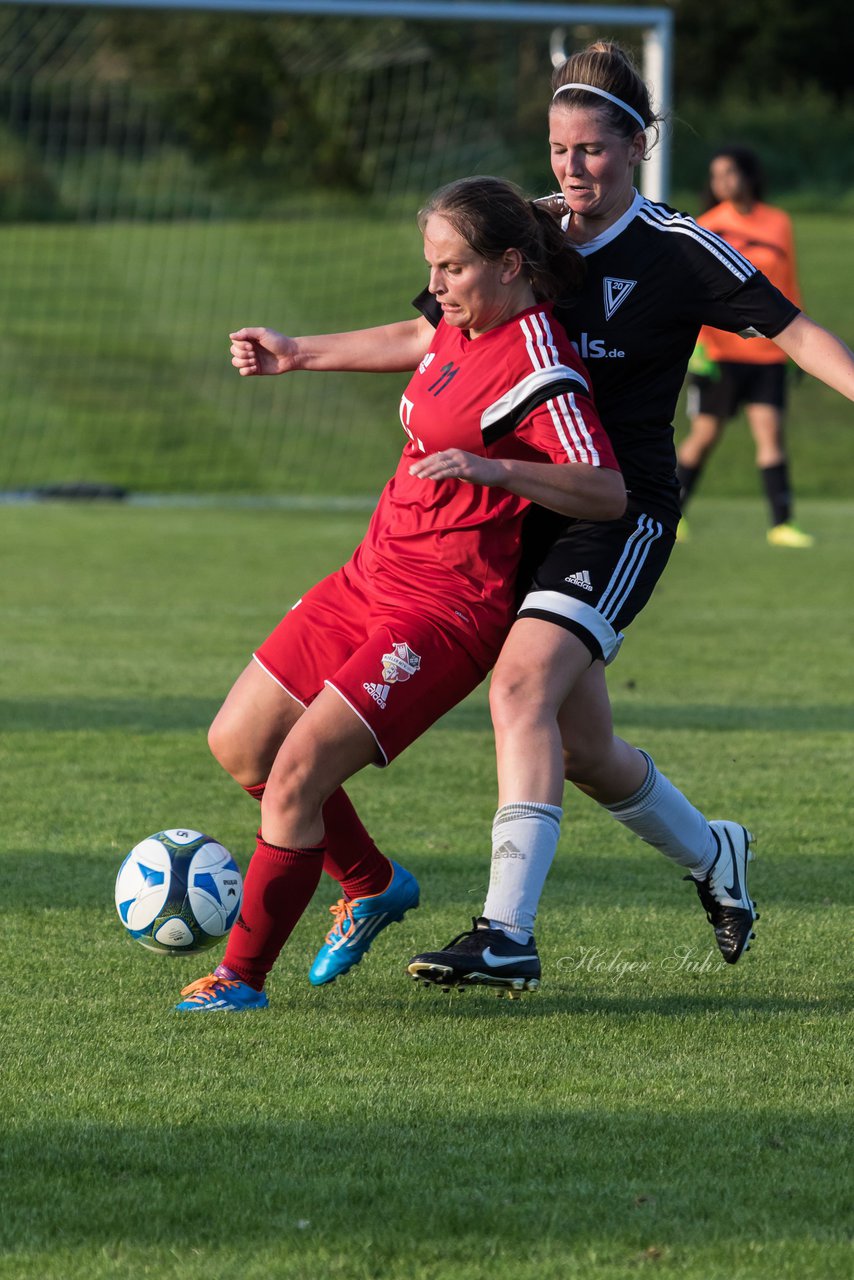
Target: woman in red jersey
[728,372]
[497,415]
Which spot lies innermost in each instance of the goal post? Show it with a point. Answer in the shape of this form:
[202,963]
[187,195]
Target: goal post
[655,24]
[129,251]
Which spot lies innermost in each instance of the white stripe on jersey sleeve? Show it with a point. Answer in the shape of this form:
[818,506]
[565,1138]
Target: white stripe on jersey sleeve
[584,431]
[661,220]
[543,330]
[670,219]
[572,430]
[533,346]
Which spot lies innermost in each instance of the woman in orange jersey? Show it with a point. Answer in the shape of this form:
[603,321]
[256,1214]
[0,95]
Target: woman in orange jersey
[727,371]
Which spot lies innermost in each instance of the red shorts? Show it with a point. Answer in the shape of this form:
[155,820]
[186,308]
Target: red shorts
[399,670]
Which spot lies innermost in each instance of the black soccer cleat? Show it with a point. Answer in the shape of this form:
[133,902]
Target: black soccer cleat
[481,957]
[724,893]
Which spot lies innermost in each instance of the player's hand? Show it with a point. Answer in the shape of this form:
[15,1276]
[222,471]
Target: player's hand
[260,351]
[456,464]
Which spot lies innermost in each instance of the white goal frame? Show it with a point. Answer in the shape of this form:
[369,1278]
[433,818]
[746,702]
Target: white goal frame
[656,25]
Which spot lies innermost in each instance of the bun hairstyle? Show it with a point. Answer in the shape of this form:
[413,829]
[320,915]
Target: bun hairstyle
[604,77]
[493,215]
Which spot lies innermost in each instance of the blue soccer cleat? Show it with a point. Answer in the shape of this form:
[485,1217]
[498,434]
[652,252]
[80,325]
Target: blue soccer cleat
[220,995]
[357,923]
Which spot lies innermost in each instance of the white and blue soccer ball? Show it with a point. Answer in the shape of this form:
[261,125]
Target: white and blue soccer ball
[178,891]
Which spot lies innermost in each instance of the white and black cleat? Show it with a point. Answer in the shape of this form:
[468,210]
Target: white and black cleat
[724,893]
[480,957]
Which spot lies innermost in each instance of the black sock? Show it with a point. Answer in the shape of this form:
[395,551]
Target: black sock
[776,483]
[687,477]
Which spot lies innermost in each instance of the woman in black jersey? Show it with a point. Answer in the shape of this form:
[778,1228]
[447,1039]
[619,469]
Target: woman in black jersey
[653,278]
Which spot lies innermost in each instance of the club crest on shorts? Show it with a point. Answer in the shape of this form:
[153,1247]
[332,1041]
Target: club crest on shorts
[400,664]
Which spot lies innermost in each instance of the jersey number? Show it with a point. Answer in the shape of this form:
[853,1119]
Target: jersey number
[448,372]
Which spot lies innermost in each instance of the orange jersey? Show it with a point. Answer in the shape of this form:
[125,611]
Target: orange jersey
[765,237]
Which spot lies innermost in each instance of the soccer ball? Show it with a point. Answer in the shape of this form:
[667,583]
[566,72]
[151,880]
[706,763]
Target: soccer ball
[178,891]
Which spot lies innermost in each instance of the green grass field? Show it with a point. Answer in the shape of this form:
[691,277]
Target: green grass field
[649,1113]
[114,363]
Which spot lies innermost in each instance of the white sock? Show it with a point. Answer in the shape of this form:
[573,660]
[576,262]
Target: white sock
[664,818]
[524,840]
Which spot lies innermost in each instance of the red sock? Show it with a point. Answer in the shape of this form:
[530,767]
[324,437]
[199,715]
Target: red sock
[278,887]
[352,858]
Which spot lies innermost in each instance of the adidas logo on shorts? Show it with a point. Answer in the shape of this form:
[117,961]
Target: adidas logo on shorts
[580,579]
[379,693]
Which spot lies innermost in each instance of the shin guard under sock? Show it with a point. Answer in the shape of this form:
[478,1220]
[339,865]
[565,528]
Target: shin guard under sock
[662,816]
[278,887]
[524,840]
[352,858]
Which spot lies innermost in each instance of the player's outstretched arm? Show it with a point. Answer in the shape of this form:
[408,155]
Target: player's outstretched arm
[820,353]
[572,489]
[389,348]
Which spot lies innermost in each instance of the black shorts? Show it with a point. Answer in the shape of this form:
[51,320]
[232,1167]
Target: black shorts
[597,576]
[738,384]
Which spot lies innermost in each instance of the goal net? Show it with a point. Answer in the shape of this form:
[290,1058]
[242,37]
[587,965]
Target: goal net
[169,174]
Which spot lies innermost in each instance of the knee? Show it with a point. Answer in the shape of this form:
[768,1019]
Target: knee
[235,755]
[516,697]
[221,745]
[296,787]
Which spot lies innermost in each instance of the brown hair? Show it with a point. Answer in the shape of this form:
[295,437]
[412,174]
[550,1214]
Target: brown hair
[493,215]
[606,65]
[749,166]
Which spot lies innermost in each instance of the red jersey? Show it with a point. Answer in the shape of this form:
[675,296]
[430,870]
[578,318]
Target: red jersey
[765,237]
[517,391]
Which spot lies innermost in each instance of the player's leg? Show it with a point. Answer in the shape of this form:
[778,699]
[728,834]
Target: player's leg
[266,704]
[766,417]
[251,725]
[245,737]
[561,630]
[401,681]
[710,403]
[626,782]
[538,665]
[625,560]
[294,660]
[704,433]
[706,410]
[328,744]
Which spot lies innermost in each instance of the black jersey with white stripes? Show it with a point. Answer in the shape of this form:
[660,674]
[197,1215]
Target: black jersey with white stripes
[652,280]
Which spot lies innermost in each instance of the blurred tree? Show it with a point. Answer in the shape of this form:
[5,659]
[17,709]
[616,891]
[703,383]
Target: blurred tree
[769,46]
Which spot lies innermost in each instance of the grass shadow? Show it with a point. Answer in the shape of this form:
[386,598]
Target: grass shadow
[137,715]
[410,1176]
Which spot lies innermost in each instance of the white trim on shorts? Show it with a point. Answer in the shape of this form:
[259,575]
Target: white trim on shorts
[598,619]
[277,681]
[574,610]
[357,713]
[343,698]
